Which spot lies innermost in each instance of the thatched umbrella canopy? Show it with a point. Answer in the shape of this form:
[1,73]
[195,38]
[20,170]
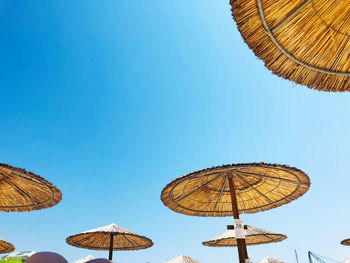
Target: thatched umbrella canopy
[21,190]
[253,236]
[111,237]
[305,41]
[233,189]
[6,247]
[346,242]
[258,187]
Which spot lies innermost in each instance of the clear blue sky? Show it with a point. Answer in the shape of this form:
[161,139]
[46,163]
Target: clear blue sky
[112,99]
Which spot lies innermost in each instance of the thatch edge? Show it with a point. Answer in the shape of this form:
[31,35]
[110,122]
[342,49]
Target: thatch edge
[281,238]
[229,166]
[315,86]
[9,249]
[54,201]
[345,242]
[72,243]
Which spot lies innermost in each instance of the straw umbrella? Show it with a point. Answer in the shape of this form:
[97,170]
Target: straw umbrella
[111,237]
[6,247]
[346,242]
[21,190]
[253,236]
[305,41]
[234,189]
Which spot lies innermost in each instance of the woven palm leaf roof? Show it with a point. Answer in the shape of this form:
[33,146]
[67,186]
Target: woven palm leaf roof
[21,190]
[254,236]
[99,239]
[6,247]
[259,187]
[346,242]
[305,41]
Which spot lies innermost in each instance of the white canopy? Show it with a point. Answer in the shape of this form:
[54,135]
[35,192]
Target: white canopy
[19,255]
[270,260]
[346,260]
[83,260]
[182,259]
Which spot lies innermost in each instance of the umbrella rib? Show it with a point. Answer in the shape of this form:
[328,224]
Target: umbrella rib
[129,240]
[1,244]
[222,190]
[84,238]
[19,189]
[266,235]
[199,188]
[28,178]
[38,182]
[256,190]
[271,177]
[290,16]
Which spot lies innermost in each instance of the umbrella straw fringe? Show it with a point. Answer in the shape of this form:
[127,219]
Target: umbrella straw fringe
[260,187]
[306,35]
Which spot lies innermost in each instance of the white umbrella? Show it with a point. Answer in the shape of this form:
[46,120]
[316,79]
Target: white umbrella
[83,260]
[270,260]
[19,255]
[182,259]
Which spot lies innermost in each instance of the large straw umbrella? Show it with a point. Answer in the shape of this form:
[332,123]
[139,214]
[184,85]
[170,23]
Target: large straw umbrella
[305,41]
[21,190]
[253,236]
[234,189]
[111,237]
[346,242]
[6,247]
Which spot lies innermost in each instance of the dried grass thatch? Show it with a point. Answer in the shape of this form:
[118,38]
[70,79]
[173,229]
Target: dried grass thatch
[6,247]
[99,239]
[346,242]
[21,190]
[253,236]
[259,187]
[305,41]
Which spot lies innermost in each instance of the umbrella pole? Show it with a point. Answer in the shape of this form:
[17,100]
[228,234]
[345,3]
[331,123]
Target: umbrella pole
[241,244]
[111,248]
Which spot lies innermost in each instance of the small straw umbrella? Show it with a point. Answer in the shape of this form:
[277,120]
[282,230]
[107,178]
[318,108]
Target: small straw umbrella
[305,41]
[253,236]
[6,247]
[346,242]
[234,189]
[111,237]
[21,190]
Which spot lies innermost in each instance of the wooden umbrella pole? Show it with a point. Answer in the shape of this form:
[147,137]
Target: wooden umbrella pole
[241,244]
[111,248]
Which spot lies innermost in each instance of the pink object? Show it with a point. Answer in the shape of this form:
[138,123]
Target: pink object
[46,257]
[99,260]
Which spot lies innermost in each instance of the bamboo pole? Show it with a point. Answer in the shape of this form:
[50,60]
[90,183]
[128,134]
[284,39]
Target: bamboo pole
[241,244]
[111,248]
